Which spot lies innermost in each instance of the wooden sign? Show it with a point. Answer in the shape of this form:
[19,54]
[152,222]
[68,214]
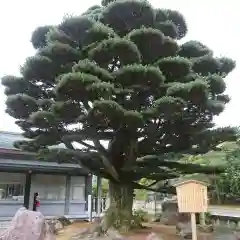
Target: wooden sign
[192,198]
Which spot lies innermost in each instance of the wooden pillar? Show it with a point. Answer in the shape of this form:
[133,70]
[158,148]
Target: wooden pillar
[155,204]
[27,189]
[99,196]
[67,194]
[88,189]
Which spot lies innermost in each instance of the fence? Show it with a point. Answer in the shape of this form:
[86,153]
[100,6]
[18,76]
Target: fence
[220,214]
[150,206]
[103,204]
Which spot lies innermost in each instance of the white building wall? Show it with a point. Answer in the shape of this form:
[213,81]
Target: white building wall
[49,187]
[77,199]
[51,190]
[77,191]
[52,194]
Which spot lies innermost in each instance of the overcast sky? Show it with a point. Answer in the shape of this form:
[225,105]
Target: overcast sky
[213,22]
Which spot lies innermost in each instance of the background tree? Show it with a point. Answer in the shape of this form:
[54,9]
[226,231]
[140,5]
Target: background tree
[224,187]
[227,184]
[104,189]
[115,81]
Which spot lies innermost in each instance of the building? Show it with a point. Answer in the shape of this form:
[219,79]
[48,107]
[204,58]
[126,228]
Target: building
[62,188]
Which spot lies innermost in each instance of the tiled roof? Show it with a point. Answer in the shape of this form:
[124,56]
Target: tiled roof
[6,146]
[8,138]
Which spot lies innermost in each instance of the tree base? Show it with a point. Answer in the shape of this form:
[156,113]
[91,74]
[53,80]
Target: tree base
[98,231]
[119,217]
[119,214]
[114,223]
[121,220]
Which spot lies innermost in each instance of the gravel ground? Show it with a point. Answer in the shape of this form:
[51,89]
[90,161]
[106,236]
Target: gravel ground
[222,234]
[166,232]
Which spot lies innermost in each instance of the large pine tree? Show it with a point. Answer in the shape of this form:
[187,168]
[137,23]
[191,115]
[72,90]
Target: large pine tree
[116,81]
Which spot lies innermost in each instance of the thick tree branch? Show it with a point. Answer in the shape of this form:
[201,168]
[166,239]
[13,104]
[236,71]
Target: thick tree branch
[165,189]
[109,167]
[152,184]
[90,147]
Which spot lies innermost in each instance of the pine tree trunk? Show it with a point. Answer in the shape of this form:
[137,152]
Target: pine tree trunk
[119,213]
[121,197]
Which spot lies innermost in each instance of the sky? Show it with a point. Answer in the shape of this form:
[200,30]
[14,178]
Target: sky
[215,23]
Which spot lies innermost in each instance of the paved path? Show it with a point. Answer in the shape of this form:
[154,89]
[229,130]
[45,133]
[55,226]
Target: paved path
[224,211]
[225,236]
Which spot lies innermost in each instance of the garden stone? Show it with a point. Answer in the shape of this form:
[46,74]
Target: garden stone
[206,228]
[184,230]
[65,222]
[153,236]
[169,218]
[55,225]
[170,214]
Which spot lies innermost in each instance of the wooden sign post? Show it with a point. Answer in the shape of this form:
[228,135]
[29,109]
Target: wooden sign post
[192,198]
[193,226]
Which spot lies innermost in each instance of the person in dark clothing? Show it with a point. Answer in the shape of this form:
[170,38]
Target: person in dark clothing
[36,202]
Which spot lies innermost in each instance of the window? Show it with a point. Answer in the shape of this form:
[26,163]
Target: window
[78,192]
[50,187]
[11,191]
[55,193]
[77,188]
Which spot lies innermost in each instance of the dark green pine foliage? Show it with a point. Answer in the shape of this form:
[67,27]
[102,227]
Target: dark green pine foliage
[116,81]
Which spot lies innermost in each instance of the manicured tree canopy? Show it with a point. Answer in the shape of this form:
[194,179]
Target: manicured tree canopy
[117,74]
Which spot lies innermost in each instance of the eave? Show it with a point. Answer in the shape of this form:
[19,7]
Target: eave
[37,166]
